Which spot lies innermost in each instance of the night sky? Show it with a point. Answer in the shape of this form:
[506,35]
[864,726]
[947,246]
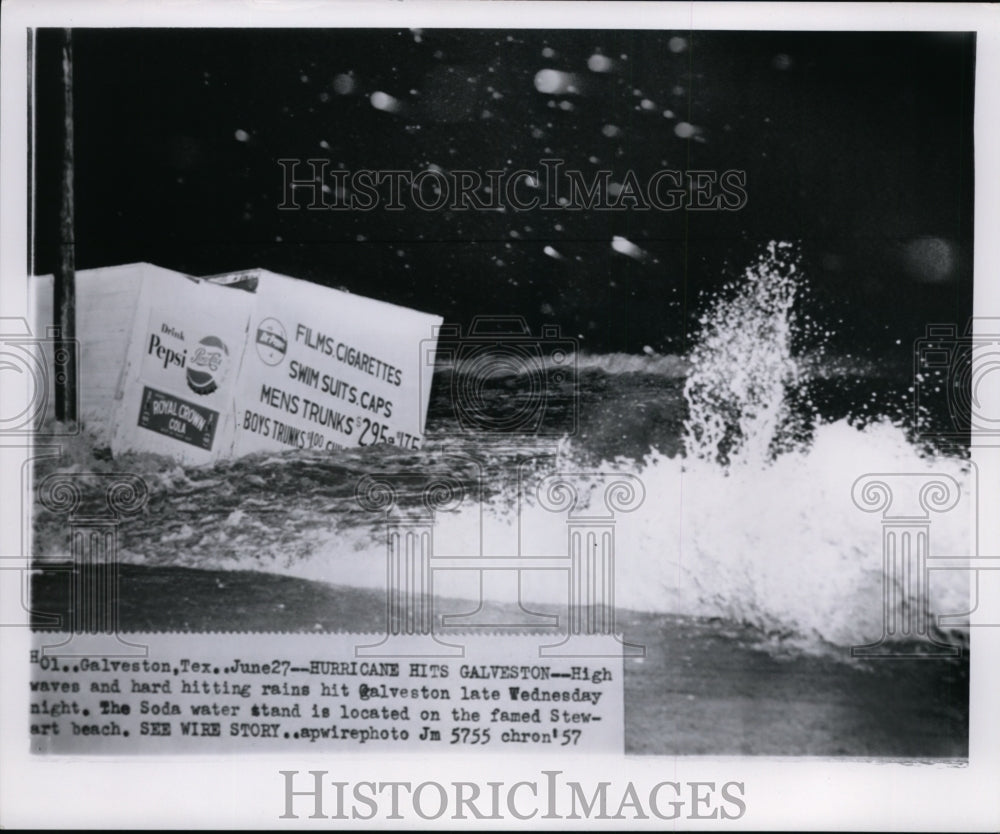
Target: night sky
[857,146]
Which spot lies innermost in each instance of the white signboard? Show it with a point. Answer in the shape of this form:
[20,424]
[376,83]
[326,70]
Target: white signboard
[255,361]
[181,370]
[325,369]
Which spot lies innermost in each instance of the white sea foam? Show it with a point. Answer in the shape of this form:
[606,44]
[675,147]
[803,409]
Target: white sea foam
[744,526]
[781,546]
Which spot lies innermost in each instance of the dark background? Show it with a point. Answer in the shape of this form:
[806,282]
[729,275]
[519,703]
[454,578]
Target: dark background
[858,146]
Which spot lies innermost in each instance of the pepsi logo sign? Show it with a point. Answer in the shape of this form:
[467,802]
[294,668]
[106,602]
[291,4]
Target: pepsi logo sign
[207,366]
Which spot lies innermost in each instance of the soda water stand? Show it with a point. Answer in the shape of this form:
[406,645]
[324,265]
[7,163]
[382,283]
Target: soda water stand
[203,369]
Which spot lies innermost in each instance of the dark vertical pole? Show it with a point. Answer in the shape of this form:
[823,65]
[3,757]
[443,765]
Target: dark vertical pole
[64,281]
[32,227]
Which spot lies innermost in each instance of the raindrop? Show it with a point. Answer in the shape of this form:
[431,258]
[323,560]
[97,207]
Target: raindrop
[929,259]
[554,82]
[242,136]
[383,101]
[625,247]
[599,63]
[685,130]
[343,84]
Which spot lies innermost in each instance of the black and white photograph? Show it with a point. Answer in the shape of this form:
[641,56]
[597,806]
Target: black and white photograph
[528,396]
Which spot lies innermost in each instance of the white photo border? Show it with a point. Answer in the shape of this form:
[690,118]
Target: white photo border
[217,791]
